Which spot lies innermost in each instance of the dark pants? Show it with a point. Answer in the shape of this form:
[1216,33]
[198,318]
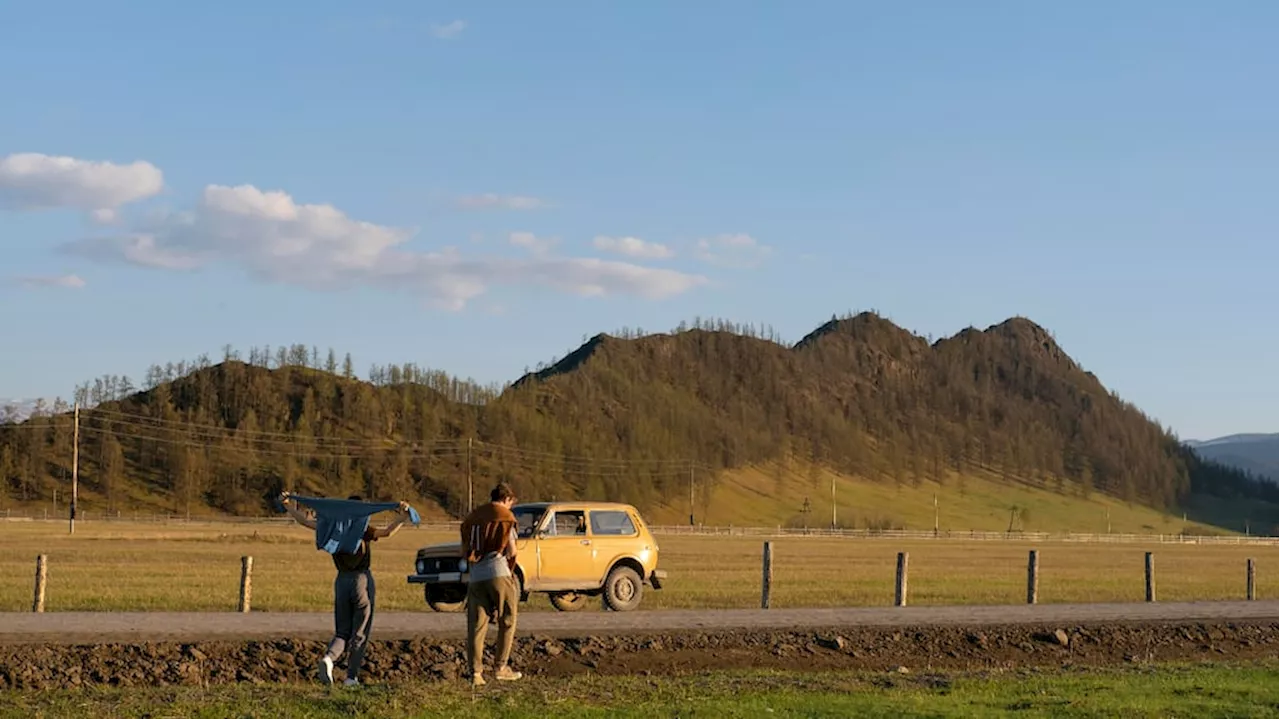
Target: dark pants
[353,596]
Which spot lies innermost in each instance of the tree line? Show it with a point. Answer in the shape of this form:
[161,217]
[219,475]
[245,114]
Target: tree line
[634,420]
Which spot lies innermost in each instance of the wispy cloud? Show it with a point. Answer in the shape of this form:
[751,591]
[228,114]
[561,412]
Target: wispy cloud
[448,31]
[632,247]
[492,201]
[64,281]
[273,238]
[731,250]
[533,243]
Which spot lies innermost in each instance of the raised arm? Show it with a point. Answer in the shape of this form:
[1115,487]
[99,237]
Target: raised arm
[395,526]
[291,507]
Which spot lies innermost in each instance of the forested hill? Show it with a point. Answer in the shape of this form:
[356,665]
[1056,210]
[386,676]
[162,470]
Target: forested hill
[632,418]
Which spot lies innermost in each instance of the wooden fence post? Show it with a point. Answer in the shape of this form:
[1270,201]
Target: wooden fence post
[246,583]
[1249,591]
[766,579]
[1033,577]
[900,589]
[42,567]
[1151,577]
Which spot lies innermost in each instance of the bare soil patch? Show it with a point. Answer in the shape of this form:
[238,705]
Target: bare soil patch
[906,649]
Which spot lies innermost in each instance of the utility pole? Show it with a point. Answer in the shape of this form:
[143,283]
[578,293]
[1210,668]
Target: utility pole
[935,515]
[833,501]
[75,466]
[690,494]
[471,504]
[1108,520]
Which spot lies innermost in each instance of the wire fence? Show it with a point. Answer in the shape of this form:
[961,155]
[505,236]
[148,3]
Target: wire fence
[677,530]
[962,535]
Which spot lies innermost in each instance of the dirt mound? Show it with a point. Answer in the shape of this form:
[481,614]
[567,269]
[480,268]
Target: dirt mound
[867,648]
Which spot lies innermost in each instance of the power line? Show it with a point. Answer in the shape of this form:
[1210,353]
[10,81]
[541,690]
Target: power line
[194,431]
[517,457]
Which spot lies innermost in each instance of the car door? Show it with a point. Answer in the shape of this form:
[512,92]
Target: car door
[564,551]
[613,535]
[526,545]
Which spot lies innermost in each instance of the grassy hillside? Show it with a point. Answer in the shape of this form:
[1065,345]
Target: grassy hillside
[772,496]
[635,418]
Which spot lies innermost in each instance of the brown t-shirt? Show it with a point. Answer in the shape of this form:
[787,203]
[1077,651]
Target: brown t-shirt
[489,528]
[357,561]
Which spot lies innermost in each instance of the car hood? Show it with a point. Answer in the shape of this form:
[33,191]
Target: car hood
[451,549]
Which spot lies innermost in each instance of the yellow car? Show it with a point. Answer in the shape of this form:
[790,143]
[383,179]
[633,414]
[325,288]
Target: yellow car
[571,551]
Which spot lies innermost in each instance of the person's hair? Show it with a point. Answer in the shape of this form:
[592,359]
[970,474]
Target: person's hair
[501,493]
[355,498]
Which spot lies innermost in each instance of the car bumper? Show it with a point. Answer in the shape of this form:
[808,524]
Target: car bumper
[441,578]
[657,578]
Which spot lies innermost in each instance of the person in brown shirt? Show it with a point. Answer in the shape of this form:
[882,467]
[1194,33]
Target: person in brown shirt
[489,545]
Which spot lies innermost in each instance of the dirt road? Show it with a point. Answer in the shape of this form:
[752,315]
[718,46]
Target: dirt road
[97,627]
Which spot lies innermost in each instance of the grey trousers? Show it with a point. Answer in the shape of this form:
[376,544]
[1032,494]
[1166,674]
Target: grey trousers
[353,597]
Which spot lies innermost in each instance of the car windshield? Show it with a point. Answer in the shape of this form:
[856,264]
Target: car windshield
[527,519]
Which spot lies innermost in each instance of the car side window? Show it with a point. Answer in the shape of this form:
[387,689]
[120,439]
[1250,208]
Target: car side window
[568,523]
[612,523]
[526,523]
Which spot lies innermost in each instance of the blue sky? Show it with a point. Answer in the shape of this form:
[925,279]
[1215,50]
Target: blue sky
[475,186]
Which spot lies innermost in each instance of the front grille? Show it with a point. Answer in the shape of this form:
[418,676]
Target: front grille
[435,565]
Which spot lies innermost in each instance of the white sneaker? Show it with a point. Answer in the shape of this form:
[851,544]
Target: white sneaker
[326,669]
[351,683]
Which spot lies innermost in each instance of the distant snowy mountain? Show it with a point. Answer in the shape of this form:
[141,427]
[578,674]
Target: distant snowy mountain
[1255,453]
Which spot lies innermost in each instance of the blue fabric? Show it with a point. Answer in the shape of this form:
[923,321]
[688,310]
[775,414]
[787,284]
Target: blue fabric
[340,523]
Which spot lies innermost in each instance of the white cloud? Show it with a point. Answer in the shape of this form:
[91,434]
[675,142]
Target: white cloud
[275,239]
[32,181]
[448,31]
[65,281]
[104,216]
[492,201]
[533,243]
[731,250]
[632,247]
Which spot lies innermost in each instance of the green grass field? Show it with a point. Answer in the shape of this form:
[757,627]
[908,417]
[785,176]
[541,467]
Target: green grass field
[763,496]
[1192,691]
[148,567]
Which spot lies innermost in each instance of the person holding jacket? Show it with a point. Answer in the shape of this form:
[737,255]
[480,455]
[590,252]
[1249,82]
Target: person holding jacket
[342,529]
[489,545]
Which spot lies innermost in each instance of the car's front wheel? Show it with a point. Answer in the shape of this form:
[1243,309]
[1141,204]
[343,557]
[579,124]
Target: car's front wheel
[623,589]
[446,599]
[569,601]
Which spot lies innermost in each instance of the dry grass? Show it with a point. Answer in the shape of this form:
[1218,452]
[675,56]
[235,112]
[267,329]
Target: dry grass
[765,496]
[140,567]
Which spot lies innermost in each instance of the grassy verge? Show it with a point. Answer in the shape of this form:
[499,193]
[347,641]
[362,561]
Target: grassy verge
[1199,691]
[142,567]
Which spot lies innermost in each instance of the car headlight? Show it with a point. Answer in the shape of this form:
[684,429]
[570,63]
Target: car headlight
[421,566]
[462,565]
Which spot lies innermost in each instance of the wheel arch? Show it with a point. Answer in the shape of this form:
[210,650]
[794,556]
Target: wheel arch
[624,561]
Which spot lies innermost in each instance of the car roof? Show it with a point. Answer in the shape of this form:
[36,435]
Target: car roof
[585,504]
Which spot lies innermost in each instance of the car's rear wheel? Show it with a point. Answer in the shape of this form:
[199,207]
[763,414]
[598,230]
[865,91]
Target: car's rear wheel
[443,599]
[569,601]
[623,589]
